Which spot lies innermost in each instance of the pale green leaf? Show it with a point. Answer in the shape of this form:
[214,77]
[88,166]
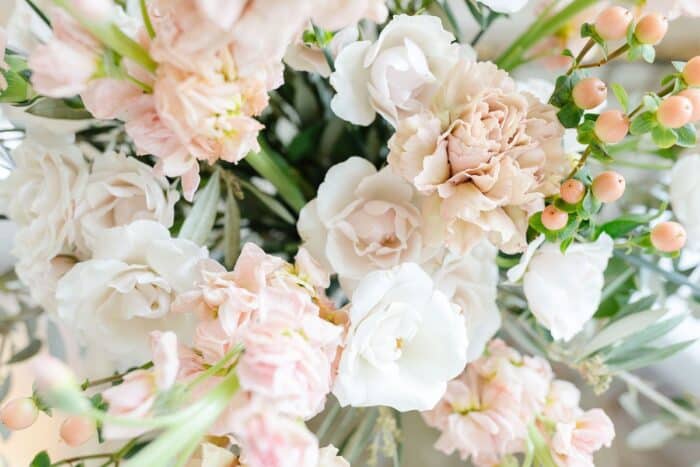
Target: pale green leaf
[201,218]
[619,329]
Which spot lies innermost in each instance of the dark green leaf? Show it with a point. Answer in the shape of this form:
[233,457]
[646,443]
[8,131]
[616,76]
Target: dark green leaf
[570,115]
[623,225]
[621,96]
[663,137]
[588,30]
[643,123]
[271,203]
[41,460]
[586,132]
[598,152]
[232,230]
[26,353]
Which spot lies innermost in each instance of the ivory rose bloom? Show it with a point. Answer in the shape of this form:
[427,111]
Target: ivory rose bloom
[337,14]
[120,190]
[125,291]
[685,196]
[397,75]
[486,154]
[470,281]
[404,343]
[363,220]
[137,394]
[564,290]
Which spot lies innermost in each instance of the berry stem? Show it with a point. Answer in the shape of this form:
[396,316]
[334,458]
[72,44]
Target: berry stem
[612,56]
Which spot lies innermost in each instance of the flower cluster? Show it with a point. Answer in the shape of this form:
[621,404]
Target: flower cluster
[487,412]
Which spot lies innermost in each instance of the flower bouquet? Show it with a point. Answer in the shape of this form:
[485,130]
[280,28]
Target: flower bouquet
[277,227]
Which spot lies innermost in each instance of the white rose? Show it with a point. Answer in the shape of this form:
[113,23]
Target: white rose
[124,292]
[40,196]
[685,196]
[120,190]
[405,341]
[396,75]
[337,14]
[505,6]
[563,290]
[362,221]
[470,281]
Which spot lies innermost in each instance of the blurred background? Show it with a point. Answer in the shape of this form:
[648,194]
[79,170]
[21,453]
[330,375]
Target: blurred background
[676,377]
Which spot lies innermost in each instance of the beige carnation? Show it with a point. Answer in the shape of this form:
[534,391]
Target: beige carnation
[485,153]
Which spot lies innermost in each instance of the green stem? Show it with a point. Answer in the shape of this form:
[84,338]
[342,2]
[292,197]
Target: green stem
[114,378]
[263,164]
[539,30]
[40,13]
[147,19]
[360,437]
[220,365]
[671,276]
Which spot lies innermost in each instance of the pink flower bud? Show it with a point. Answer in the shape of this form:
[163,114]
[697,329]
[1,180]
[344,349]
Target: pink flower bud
[590,93]
[553,218]
[57,384]
[608,186]
[19,414]
[77,430]
[612,23]
[668,237]
[612,126]
[675,111]
[691,72]
[651,29]
[572,191]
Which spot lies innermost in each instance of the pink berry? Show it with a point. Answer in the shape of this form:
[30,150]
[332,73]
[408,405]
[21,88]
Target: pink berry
[612,23]
[572,191]
[651,29]
[612,126]
[19,414]
[77,430]
[608,186]
[675,111]
[691,72]
[693,95]
[590,93]
[553,218]
[668,237]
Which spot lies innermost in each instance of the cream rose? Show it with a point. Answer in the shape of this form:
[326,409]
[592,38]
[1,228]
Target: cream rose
[685,196]
[395,76]
[362,221]
[405,342]
[470,281]
[120,190]
[486,154]
[115,299]
[337,14]
[563,290]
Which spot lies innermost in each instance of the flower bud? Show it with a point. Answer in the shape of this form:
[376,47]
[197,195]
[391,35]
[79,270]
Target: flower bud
[553,218]
[612,126]
[77,430]
[572,191]
[691,72]
[693,95]
[651,29]
[675,111]
[96,11]
[19,414]
[612,23]
[668,237]
[57,385]
[608,186]
[589,93]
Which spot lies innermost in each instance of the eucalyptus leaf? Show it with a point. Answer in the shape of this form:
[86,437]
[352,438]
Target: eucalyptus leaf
[27,352]
[57,109]
[619,329]
[201,218]
[232,230]
[647,356]
[271,203]
[645,336]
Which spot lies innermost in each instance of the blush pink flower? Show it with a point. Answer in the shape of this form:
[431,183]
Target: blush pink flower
[486,154]
[574,442]
[137,394]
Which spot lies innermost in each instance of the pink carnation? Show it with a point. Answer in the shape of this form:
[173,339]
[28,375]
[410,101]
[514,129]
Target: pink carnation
[575,441]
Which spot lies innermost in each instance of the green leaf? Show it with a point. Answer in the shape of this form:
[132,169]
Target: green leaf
[27,352]
[570,115]
[5,386]
[201,218]
[621,96]
[635,53]
[623,225]
[265,165]
[232,230]
[57,109]
[648,53]
[588,30]
[598,152]
[41,460]
[589,206]
[679,66]
[586,132]
[543,453]
[663,137]
[651,102]
[686,136]
[18,89]
[643,123]
[620,329]
[648,356]
[271,203]
[645,336]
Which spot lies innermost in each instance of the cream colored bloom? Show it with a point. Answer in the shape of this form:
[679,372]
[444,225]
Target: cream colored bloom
[685,196]
[120,190]
[405,341]
[337,14]
[486,154]
[304,57]
[397,75]
[362,221]
[328,457]
[564,290]
[115,299]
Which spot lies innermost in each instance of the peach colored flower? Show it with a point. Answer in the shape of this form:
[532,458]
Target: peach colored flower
[108,98]
[486,155]
[575,441]
[137,394]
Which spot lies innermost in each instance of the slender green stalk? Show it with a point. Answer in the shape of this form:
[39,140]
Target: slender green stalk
[147,19]
[220,365]
[671,276]
[512,57]
[39,13]
[263,164]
